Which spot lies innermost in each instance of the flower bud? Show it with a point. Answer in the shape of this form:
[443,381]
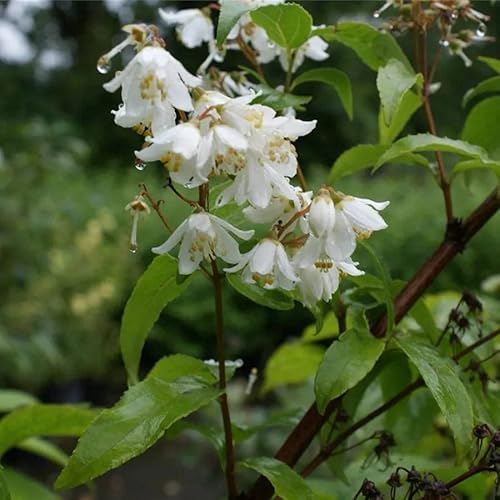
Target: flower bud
[322,213]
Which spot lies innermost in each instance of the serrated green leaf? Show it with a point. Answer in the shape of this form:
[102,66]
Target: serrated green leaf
[287,484]
[428,142]
[486,86]
[44,449]
[335,78]
[139,419]
[373,47]
[230,13]
[155,289]
[346,362]
[481,127]
[394,80]
[10,399]
[22,487]
[43,420]
[292,363]
[423,316]
[441,376]
[279,100]
[274,299]
[493,63]
[289,25]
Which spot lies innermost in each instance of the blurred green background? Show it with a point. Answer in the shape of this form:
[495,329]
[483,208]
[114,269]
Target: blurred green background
[66,173]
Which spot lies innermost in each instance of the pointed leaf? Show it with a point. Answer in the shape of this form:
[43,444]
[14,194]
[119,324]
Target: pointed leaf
[346,362]
[230,13]
[467,165]
[493,63]
[289,25]
[279,100]
[44,449]
[287,484]
[490,85]
[337,79]
[43,420]
[139,419]
[373,47]
[428,142]
[442,378]
[22,487]
[154,290]
[10,399]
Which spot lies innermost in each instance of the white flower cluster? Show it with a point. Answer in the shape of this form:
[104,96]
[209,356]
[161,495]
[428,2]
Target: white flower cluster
[201,136]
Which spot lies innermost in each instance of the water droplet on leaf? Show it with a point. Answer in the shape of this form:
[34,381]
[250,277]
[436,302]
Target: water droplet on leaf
[140,165]
[444,43]
[103,65]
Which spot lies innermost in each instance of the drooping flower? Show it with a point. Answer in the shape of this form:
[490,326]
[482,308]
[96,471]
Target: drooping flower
[267,264]
[315,48]
[153,84]
[193,26]
[137,208]
[321,214]
[204,236]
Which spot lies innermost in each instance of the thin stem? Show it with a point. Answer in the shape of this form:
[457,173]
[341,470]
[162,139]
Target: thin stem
[468,474]
[250,55]
[288,79]
[156,207]
[221,358]
[476,344]
[193,203]
[302,179]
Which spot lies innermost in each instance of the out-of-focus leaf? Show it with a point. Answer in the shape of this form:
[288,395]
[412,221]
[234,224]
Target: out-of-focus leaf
[230,13]
[292,363]
[279,100]
[44,449]
[289,25]
[335,78]
[373,47]
[442,378]
[22,487]
[287,484]
[4,489]
[493,63]
[43,420]
[154,290]
[10,399]
[423,316]
[468,165]
[486,86]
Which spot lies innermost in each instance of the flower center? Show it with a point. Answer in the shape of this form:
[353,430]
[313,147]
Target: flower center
[152,87]
[172,161]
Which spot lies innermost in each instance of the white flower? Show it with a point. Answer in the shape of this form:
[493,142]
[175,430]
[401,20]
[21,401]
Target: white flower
[321,214]
[362,214]
[137,208]
[321,281]
[315,48]
[153,84]
[267,264]
[193,26]
[204,236]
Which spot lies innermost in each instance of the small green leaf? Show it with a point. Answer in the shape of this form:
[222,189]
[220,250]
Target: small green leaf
[442,378]
[274,299]
[346,362]
[43,420]
[394,80]
[337,79]
[11,399]
[490,85]
[327,33]
[292,363]
[22,487]
[44,449]
[154,290]
[467,165]
[423,316]
[280,100]
[329,329]
[493,63]
[289,25]
[427,142]
[287,484]
[481,127]
[139,419]
[230,13]
[373,47]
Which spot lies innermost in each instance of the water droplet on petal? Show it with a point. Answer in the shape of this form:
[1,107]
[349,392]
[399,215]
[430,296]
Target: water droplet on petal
[454,15]
[376,14]
[481,30]
[140,165]
[444,43]
[132,248]
[103,65]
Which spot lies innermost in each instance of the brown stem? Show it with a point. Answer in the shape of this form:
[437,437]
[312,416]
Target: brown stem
[476,344]
[250,55]
[221,358]
[302,179]
[304,432]
[156,207]
[468,474]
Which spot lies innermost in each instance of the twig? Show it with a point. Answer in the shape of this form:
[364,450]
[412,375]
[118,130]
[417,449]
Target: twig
[156,207]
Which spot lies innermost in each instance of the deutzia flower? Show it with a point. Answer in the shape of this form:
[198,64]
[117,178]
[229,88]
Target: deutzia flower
[267,264]
[153,84]
[193,28]
[137,208]
[204,236]
[315,48]
[321,214]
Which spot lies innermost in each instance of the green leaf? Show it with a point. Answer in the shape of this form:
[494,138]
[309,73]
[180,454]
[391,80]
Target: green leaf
[337,79]
[43,420]
[292,363]
[442,378]
[346,362]
[329,329]
[139,419]
[289,25]
[274,299]
[357,158]
[327,33]
[423,316]
[481,127]
[230,13]
[11,399]
[287,484]
[4,489]
[172,368]
[394,80]
[490,85]
[467,165]
[493,63]
[154,290]
[22,487]
[428,142]
[279,100]
[406,109]
[373,47]
[44,449]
